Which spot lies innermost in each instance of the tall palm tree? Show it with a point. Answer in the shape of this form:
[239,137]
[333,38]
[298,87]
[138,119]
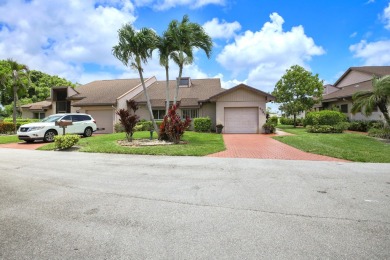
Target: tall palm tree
[379,96]
[134,49]
[165,48]
[186,36]
[19,74]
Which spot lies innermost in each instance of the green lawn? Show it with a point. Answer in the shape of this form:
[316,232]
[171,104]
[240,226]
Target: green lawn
[349,146]
[6,139]
[198,144]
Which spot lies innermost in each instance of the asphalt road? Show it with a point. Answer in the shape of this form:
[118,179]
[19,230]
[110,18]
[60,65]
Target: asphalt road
[61,205]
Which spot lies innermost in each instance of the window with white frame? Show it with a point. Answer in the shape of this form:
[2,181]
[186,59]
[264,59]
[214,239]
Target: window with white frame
[191,113]
[158,114]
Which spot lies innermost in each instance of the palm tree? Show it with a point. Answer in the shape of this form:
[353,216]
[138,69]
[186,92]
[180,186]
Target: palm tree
[133,49]
[379,96]
[165,48]
[19,74]
[185,36]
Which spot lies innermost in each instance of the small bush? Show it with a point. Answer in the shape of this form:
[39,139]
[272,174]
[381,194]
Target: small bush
[339,128]
[202,124]
[65,141]
[359,125]
[273,120]
[21,121]
[118,127]
[269,128]
[172,128]
[324,117]
[286,121]
[8,128]
[383,133]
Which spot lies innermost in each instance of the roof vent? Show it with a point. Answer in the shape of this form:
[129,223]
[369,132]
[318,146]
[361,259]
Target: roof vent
[185,82]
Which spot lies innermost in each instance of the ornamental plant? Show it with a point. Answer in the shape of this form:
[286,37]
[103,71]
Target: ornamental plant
[202,124]
[172,127]
[128,120]
[65,141]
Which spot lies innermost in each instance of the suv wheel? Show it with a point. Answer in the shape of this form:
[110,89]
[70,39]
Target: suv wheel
[49,136]
[87,132]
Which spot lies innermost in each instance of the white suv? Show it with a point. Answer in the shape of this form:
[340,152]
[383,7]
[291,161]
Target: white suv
[46,129]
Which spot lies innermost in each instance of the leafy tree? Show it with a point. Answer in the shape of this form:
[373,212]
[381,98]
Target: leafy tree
[298,90]
[128,120]
[379,96]
[133,49]
[18,77]
[185,36]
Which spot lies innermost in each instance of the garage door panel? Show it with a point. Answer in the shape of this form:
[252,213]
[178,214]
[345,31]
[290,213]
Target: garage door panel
[241,120]
[104,120]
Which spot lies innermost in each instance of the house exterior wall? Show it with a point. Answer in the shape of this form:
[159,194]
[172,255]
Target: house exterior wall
[354,77]
[358,116]
[208,110]
[241,98]
[26,113]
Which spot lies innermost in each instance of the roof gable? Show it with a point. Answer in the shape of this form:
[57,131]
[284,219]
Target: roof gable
[241,86]
[369,70]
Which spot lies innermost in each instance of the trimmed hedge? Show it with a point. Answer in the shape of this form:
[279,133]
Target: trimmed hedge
[324,117]
[202,124]
[290,121]
[273,120]
[383,133]
[21,121]
[364,126]
[339,128]
[7,128]
[145,125]
[65,141]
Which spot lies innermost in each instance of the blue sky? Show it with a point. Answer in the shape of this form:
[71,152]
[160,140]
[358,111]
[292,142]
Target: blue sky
[254,41]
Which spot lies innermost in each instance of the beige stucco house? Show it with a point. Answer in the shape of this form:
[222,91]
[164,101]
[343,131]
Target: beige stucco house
[353,80]
[241,109]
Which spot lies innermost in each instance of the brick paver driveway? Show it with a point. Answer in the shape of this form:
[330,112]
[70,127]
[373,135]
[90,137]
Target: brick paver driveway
[262,146]
[23,145]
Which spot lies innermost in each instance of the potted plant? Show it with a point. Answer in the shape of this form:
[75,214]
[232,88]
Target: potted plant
[269,128]
[218,128]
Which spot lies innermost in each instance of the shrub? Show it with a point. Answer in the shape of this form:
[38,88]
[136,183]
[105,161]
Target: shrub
[8,128]
[118,127]
[378,124]
[172,128]
[269,128]
[65,141]
[383,133]
[324,117]
[358,125]
[273,120]
[145,125]
[20,121]
[339,128]
[128,120]
[286,121]
[202,124]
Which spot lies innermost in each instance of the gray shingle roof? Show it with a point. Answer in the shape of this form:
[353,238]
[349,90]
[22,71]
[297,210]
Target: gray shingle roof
[372,70]
[104,92]
[201,90]
[38,105]
[348,91]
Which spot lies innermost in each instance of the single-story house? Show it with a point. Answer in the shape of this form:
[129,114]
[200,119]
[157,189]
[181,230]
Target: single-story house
[241,109]
[353,80]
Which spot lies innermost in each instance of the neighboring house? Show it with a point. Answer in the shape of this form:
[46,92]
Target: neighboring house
[241,109]
[353,80]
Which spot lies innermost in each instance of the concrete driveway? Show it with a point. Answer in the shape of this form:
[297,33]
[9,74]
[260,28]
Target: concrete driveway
[262,146]
[59,205]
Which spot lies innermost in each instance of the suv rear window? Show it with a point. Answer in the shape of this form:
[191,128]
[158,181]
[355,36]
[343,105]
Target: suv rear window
[78,118]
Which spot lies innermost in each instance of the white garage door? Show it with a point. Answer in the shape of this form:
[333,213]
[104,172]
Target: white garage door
[241,120]
[104,120]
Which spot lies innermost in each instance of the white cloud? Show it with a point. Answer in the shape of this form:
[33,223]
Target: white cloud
[60,37]
[221,30]
[374,53]
[168,4]
[229,83]
[265,55]
[353,35]
[386,17]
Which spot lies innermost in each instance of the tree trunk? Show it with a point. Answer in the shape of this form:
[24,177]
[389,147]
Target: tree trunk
[15,90]
[385,113]
[147,100]
[167,89]
[177,85]
[295,120]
